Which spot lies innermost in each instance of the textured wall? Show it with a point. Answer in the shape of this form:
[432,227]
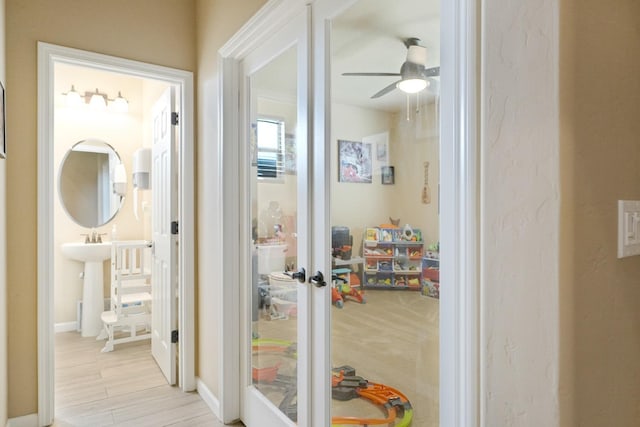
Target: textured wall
[519,213]
[156,31]
[600,108]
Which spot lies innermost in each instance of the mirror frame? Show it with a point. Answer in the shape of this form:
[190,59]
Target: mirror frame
[60,193]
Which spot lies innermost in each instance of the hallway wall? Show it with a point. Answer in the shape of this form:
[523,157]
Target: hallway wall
[600,294]
[216,22]
[134,30]
[3,243]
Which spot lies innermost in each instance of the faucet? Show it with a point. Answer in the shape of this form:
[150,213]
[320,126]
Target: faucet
[93,237]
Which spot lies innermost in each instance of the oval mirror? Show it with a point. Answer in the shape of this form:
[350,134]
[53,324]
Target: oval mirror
[88,192]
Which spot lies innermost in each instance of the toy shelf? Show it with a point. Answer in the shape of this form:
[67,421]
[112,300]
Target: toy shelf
[431,274]
[393,258]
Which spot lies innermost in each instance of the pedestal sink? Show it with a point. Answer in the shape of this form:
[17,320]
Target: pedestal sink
[93,255]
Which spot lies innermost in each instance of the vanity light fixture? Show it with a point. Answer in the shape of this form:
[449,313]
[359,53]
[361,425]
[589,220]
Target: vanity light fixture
[96,100]
[72,98]
[120,104]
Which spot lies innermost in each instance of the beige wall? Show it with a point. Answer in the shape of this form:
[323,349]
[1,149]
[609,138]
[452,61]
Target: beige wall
[600,294]
[3,245]
[519,160]
[155,31]
[357,205]
[216,22]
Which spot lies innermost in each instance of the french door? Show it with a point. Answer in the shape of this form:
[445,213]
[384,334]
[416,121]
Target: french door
[317,150]
[276,229]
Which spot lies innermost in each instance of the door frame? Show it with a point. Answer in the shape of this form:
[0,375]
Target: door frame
[290,34]
[460,303]
[48,56]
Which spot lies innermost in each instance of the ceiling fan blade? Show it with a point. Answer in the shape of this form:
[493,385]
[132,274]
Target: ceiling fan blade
[386,90]
[370,74]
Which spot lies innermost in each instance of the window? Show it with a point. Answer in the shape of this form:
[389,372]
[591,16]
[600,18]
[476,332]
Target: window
[270,141]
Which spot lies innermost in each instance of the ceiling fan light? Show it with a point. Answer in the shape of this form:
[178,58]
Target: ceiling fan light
[412,85]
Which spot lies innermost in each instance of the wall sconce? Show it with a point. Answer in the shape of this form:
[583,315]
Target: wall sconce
[96,100]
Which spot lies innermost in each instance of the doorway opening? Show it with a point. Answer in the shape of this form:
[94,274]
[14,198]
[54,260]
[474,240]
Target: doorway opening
[98,126]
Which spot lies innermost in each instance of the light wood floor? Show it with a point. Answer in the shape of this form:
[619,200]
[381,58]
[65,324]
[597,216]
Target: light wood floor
[393,340]
[121,388]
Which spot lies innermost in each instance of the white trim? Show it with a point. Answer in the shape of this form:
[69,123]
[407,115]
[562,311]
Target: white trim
[459,302]
[228,324]
[48,55]
[30,420]
[209,398]
[65,327]
[272,16]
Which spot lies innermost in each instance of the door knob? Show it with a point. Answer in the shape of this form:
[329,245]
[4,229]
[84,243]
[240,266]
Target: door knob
[300,275]
[318,279]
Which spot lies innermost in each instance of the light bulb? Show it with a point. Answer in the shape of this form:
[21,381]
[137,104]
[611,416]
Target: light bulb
[120,104]
[412,85]
[97,101]
[73,99]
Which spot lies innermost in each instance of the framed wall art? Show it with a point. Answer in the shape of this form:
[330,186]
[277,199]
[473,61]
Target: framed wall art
[388,175]
[354,162]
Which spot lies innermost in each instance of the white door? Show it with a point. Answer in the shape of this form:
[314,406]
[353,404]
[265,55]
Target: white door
[275,344]
[165,272]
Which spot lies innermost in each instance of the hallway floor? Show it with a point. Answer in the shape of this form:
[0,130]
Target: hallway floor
[121,388]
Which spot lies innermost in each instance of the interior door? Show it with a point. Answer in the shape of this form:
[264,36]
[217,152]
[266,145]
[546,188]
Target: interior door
[275,344]
[164,212]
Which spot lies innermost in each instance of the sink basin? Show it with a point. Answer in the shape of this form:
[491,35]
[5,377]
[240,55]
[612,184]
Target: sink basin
[92,254]
[87,252]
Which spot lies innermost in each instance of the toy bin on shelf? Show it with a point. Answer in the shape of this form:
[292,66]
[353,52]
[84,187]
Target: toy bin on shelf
[393,258]
[431,275]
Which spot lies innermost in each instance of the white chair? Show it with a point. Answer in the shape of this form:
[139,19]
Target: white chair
[129,316]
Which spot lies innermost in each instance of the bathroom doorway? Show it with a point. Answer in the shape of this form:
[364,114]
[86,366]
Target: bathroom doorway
[115,134]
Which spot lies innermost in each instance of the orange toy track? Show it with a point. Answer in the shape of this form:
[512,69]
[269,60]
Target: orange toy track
[345,387]
[395,402]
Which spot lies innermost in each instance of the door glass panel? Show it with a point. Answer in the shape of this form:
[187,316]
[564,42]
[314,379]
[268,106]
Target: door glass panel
[273,190]
[384,215]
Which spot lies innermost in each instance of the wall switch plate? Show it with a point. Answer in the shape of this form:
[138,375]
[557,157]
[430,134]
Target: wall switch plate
[628,228]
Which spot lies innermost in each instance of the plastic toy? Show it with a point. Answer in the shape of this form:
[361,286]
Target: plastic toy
[345,386]
[341,289]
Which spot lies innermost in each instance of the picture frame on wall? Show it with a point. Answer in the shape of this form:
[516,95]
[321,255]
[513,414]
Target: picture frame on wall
[354,162]
[388,175]
[3,133]
[290,158]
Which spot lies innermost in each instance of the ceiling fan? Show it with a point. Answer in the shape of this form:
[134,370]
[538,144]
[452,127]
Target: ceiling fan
[413,73]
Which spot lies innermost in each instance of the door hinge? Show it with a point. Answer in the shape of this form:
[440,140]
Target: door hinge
[174,336]
[174,119]
[174,227]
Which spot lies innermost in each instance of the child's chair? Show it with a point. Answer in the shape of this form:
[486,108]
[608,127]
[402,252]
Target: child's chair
[130,293]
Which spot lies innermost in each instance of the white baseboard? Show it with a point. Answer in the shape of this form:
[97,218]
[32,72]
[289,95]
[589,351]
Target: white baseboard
[66,327]
[212,402]
[30,420]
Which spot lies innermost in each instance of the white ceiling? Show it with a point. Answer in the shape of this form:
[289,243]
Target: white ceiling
[367,37]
